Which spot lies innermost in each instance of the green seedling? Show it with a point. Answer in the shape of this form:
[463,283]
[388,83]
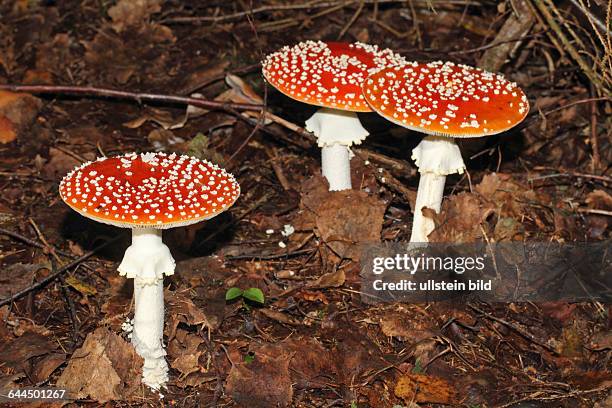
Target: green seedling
[417,369]
[253,295]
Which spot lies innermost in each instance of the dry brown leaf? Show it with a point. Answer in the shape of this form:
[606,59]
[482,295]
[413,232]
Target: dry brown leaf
[46,366]
[105,368]
[132,13]
[329,280]
[184,353]
[17,112]
[59,164]
[202,75]
[165,140]
[117,58]
[263,382]
[516,25]
[599,199]
[7,131]
[15,353]
[52,57]
[82,287]
[17,277]
[242,92]
[344,219]
[508,196]
[425,388]
[280,317]
[404,325]
[601,340]
[311,364]
[460,219]
[181,308]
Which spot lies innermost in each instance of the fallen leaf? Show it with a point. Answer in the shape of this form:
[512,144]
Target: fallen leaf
[405,326]
[263,382]
[311,364]
[59,164]
[280,317]
[329,280]
[426,389]
[118,58]
[199,147]
[17,277]
[599,199]
[165,140]
[509,229]
[105,368]
[53,57]
[242,92]
[162,117]
[7,131]
[202,75]
[344,220]
[460,219]
[181,309]
[184,354]
[561,311]
[132,13]
[16,352]
[516,26]
[601,340]
[80,286]
[46,366]
[17,112]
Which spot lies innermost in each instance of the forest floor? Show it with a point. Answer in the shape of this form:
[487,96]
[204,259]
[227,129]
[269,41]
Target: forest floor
[314,342]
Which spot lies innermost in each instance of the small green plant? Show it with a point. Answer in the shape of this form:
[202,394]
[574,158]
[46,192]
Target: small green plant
[249,357]
[254,295]
[417,369]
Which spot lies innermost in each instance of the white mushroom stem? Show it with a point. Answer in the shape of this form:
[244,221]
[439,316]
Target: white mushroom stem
[336,167]
[436,157]
[147,260]
[336,130]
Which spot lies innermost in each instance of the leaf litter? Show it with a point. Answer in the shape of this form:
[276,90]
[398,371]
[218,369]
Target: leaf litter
[313,342]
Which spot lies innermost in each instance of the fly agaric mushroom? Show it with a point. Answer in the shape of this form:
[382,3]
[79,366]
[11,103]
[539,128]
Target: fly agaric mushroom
[444,101]
[330,75]
[149,192]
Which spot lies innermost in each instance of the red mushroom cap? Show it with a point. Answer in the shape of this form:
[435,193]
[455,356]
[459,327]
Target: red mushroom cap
[446,99]
[327,74]
[152,190]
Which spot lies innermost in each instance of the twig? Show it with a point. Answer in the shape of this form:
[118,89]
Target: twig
[539,396]
[525,334]
[552,22]
[262,114]
[596,160]
[578,175]
[57,273]
[31,242]
[280,175]
[315,4]
[90,91]
[71,310]
[220,77]
[271,256]
[354,18]
[595,211]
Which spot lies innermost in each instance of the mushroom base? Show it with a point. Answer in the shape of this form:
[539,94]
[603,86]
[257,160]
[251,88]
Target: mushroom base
[147,335]
[147,260]
[336,167]
[430,193]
